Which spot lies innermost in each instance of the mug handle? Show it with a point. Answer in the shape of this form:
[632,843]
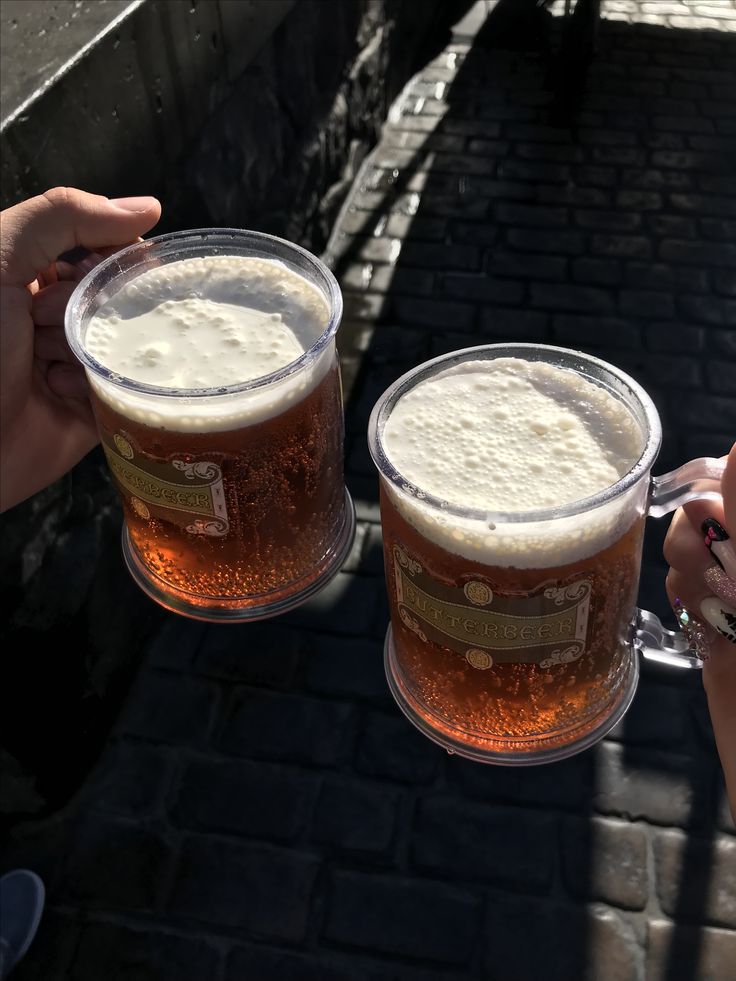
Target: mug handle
[668,492]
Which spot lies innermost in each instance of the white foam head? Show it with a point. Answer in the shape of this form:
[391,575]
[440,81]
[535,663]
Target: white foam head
[208,323]
[510,435]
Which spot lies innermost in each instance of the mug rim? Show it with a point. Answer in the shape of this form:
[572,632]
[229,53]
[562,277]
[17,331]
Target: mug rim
[554,355]
[198,243]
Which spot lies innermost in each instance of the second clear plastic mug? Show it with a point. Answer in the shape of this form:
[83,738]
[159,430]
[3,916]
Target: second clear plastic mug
[532,661]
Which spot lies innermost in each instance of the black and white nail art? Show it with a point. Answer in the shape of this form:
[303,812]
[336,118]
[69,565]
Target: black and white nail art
[721,616]
[717,539]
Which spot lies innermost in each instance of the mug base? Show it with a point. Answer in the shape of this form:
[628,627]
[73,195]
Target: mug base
[547,748]
[240,609]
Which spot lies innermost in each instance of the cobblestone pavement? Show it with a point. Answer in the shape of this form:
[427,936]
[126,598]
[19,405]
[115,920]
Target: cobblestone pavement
[263,811]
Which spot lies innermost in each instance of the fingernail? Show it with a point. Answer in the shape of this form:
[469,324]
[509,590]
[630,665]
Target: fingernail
[721,616]
[694,632]
[136,205]
[720,584]
[718,541]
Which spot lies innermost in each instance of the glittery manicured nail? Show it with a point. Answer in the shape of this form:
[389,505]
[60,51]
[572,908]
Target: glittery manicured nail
[694,632]
[721,616]
[720,584]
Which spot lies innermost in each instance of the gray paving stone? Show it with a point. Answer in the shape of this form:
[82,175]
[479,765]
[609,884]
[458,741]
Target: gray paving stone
[266,964]
[356,818]
[669,337]
[566,786]
[658,716]
[608,221]
[253,800]
[51,952]
[725,282]
[698,253]
[474,234]
[639,200]
[570,195]
[558,242]
[168,708]
[408,917]
[696,878]
[622,246]
[663,276]
[434,313]
[573,298]
[287,727]
[672,226]
[721,378]
[263,891]
[388,746]
[597,272]
[537,216]
[612,332]
[483,289]
[175,643]
[116,864]
[130,779]
[708,310]
[499,323]
[707,412]
[570,942]
[703,204]
[650,304]
[527,265]
[498,846]
[660,788]
[710,953]
[254,653]
[346,605]
[348,669]
[606,860]
[119,953]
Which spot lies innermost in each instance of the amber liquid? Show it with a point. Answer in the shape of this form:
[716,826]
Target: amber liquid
[510,705]
[284,492]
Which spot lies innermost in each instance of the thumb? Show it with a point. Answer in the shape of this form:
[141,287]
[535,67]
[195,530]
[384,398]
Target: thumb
[728,488]
[38,230]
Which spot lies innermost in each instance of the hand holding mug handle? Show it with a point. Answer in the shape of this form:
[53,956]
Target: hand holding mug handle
[702,581]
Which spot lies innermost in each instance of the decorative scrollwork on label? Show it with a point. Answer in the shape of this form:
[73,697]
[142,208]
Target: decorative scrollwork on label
[413,624]
[202,469]
[412,567]
[215,527]
[561,657]
[575,592]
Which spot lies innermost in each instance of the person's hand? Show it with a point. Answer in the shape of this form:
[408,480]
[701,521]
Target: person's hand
[46,423]
[701,550]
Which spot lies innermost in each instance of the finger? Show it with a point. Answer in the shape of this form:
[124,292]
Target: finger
[74,271]
[698,511]
[37,231]
[69,382]
[714,615]
[49,344]
[684,547]
[728,486]
[49,305]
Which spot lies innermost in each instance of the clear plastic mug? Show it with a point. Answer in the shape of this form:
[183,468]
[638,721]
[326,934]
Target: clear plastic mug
[234,501]
[515,636]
